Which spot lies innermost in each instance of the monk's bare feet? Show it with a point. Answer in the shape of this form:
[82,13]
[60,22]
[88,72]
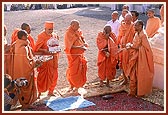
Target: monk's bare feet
[39,95]
[108,84]
[101,83]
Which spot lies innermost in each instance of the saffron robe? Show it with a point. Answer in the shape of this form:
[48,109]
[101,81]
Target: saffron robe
[23,66]
[77,63]
[152,26]
[48,72]
[14,35]
[30,38]
[140,66]
[126,35]
[107,65]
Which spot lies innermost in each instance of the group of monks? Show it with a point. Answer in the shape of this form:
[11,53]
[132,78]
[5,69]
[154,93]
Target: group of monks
[20,62]
[134,54]
[125,42]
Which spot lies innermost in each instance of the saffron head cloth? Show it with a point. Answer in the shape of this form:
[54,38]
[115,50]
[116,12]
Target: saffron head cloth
[49,24]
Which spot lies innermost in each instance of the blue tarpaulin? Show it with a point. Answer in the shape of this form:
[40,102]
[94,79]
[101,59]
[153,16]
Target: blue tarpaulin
[68,103]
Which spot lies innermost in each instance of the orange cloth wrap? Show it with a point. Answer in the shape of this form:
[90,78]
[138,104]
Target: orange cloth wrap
[106,65]
[77,63]
[48,72]
[49,25]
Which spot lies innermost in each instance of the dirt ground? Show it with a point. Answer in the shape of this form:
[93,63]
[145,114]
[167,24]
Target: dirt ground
[92,21]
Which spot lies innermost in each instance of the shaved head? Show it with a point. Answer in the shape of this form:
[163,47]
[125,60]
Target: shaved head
[107,30]
[75,25]
[74,22]
[128,18]
[107,27]
[151,10]
[26,27]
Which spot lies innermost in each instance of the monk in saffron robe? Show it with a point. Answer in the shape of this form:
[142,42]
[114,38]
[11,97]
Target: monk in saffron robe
[14,35]
[27,28]
[48,72]
[126,34]
[153,23]
[75,45]
[107,55]
[140,65]
[23,65]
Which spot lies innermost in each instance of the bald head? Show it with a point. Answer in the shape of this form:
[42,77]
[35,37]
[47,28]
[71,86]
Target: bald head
[26,27]
[114,12]
[150,13]
[75,25]
[114,16]
[107,29]
[151,10]
[128,18]
[74,22]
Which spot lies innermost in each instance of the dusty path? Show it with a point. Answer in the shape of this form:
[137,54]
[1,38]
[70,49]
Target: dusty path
[92,20]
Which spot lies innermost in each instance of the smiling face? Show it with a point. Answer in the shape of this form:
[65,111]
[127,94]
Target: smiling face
[49,27]
[49,31]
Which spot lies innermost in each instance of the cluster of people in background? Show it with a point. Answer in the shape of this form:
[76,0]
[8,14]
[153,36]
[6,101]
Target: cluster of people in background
[123,41]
